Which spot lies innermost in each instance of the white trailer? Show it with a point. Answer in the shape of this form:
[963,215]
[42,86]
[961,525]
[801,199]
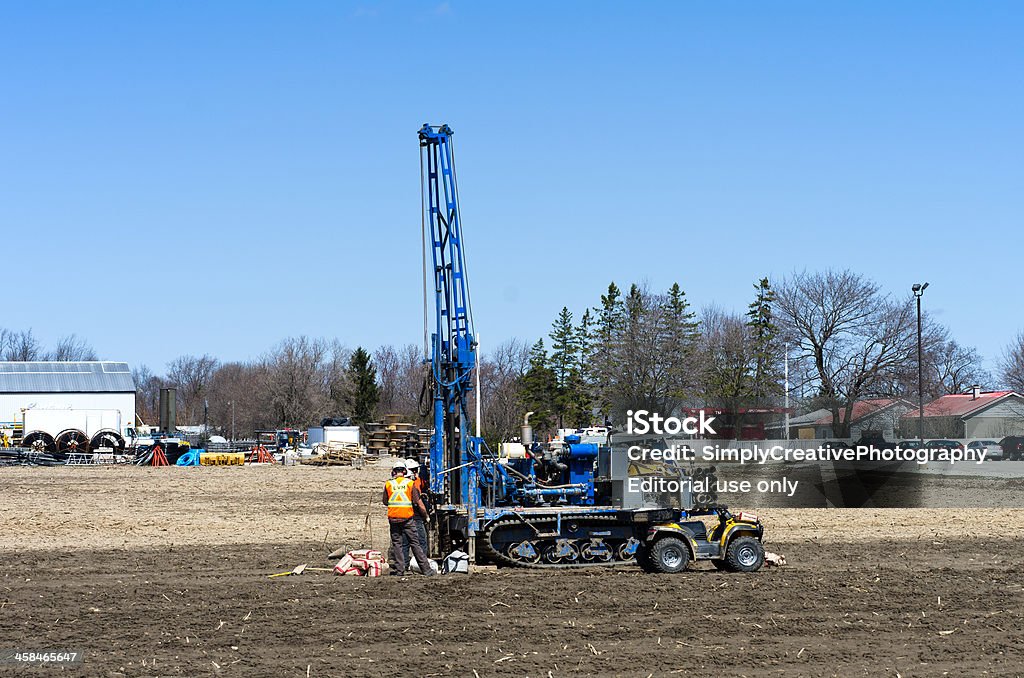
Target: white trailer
[333,434]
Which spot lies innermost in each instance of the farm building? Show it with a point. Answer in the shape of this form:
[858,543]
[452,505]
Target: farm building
[872,418]
[976,414]
[100,394]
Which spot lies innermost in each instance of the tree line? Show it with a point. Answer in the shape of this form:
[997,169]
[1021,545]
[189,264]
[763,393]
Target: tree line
[843,337]
[23,346]
[295,384]
[846,339]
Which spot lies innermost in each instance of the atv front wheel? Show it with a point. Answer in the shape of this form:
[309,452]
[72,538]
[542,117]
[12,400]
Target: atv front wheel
[745,554]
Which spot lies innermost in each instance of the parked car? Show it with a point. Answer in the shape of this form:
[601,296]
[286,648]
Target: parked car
[1013,448]
[910,444]
[877,441]
[944,445]
[993,451]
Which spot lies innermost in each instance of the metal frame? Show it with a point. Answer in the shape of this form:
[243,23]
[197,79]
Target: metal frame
[453,346]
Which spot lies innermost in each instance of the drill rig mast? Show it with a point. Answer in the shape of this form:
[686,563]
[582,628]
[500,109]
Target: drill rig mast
[452,343]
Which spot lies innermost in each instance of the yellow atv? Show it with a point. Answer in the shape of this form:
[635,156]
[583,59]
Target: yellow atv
[733,545]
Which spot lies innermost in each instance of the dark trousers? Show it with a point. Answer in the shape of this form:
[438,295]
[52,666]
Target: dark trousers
[421,529]
[400,531]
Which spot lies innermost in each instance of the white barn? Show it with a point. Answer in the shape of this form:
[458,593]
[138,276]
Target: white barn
[100,391]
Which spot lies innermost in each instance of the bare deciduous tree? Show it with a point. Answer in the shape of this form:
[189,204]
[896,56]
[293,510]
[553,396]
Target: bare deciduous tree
[954,368]
[238,405]
[19,346]
[1011,366]
[71,348]
[339,382]
[948,367]
[296,380]
[147,394]
[400,375]
[858,339]
[501,374]
[191,376]
[727,356]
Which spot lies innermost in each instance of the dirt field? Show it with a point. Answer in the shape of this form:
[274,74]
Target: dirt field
[163,572]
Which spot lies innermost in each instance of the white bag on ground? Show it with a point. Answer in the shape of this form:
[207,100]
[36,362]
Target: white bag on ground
[414,566]
[457,562]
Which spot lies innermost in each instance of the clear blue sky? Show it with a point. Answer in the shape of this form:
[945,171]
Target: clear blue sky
[195,177]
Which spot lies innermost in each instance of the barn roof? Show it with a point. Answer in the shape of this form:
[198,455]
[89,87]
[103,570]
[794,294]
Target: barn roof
[66,377]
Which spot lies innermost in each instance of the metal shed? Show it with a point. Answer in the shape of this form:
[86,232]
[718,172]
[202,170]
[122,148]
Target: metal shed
[91,385]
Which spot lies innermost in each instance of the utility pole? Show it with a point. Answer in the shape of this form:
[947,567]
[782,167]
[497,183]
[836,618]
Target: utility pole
[787,388]
[918,290]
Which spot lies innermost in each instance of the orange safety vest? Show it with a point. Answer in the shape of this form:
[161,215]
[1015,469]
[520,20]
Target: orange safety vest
[399,498]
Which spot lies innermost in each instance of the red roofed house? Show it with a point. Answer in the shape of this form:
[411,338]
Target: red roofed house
[975,414]
[874,418]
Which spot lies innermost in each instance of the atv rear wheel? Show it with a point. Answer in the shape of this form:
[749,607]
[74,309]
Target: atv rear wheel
[745,554]
[668,555]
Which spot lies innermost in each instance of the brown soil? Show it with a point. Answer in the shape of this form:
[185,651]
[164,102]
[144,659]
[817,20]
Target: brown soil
[163,572]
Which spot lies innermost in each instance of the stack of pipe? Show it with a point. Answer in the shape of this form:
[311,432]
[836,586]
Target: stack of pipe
[22,456]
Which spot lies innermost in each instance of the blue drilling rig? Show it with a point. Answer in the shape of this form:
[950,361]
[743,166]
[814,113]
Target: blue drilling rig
[531,505]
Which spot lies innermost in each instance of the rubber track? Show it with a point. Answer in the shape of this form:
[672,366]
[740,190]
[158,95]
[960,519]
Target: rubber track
[497,556]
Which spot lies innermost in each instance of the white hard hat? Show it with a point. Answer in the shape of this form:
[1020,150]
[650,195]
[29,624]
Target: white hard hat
[411,464]
[398,465]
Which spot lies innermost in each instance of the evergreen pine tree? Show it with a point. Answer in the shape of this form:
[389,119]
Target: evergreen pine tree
[764,338]
[605,354]
[584,344]
[680,338]
[540,388]
[571,402]
[563,346]
[581,377]
[365,393]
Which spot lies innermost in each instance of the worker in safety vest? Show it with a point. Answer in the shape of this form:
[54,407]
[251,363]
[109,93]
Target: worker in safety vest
[412,468]
[403,500]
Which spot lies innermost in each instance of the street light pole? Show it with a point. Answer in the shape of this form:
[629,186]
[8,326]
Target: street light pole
[918,290]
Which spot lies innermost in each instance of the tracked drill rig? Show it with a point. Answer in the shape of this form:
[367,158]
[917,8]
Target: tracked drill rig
[560,505]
